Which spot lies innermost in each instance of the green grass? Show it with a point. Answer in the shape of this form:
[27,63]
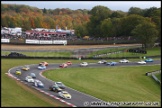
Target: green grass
[111,84]
[43,54]
[158,75]
[150,52]
[12,94]
[104,51]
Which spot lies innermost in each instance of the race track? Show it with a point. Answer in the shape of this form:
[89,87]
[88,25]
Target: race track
[78,99]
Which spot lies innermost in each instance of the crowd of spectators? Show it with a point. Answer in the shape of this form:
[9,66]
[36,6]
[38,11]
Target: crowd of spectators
[62,37]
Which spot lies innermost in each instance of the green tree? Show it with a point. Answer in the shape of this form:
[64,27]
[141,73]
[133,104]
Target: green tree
[117,14]
[146,33]
[106,27]
[135,10]
[98,14]
[128,23]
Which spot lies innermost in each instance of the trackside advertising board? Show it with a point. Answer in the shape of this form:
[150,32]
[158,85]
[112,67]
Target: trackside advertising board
[5,40]
[30,41]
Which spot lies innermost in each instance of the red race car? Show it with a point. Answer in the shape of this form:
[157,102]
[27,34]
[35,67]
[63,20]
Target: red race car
[69,63]
[43,63]
[64,65]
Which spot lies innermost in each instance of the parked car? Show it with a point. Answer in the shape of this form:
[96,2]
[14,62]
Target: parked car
[141,62]
[149,60]
[111,63]
[102,62]
[43,63]
[83,64]
[18,72]
[69,63]
[63,65]
[25,68]
[41,67]
[33,75]
[124,61]
[64,94]
[60,84]
[55,88]
[38,83]
[29,79]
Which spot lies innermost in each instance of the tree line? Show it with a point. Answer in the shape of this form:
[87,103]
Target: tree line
[100,21]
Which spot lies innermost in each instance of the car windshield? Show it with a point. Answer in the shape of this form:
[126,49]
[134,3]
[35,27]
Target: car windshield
[29,77]
[60,84]
[39,82]
[64,92]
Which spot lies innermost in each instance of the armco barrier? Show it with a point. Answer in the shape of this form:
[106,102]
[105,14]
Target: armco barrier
[153,76]
[83,58]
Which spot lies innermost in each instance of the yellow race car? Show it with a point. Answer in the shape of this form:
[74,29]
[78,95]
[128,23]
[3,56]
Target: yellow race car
[25,68]
[64,94]
[18,72]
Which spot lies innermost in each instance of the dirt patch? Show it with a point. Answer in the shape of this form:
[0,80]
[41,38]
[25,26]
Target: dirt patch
[55,47]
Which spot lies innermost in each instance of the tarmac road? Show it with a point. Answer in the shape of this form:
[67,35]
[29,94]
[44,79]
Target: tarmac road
[78,99]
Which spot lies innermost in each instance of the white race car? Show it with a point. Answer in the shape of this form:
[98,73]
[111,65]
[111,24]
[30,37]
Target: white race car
[102,62]
[29,79]
[141,62]
[38,83]
[124,61]
[84,64]
[64,94]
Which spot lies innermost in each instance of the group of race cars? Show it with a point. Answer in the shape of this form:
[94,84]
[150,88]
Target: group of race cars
[124,61]
[59,86]
[56,87]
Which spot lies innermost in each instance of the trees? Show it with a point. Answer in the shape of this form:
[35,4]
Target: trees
[135,10]
[98,14]
[146,33]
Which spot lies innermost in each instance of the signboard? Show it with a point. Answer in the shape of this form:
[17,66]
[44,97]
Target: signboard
[5,40]
[29,41]
[59,41]
[45,42]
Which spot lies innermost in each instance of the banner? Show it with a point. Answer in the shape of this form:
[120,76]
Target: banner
[5,40]
[29,41]
[45,42]
[59,41]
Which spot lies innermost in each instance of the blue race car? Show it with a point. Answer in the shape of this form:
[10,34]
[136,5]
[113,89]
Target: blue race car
[42,67]
[38,83]
[149,60]
[111,63]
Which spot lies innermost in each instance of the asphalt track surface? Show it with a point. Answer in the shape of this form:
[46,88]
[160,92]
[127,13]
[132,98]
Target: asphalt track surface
[78,99]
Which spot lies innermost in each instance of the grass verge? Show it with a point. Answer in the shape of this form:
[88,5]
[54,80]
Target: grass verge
[111,84]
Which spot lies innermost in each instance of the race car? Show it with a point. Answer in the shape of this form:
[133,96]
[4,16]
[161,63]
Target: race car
[141,62]
[63,65]
[64,94]
[33,75]
[83,64]
[55,88]
[111,63]
[124,61]
[43,63]
[102,62]
[18,72]
[29,79]
[38,83]
[149,60]
[25,68]
[69,63]
[41,67]
[60,85]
